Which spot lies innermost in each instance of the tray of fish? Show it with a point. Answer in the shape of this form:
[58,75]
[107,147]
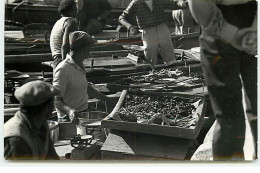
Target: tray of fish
[162,80]
[158,114]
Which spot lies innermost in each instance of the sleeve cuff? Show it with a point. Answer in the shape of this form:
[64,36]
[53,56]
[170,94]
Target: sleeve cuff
[228,32]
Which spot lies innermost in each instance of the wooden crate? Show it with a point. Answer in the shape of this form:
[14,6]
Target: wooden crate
[187,133]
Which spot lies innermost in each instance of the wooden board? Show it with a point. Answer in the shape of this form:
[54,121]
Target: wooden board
[108,62]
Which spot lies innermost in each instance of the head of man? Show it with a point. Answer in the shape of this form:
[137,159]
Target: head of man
[68,8]
[36,100]
[80,43]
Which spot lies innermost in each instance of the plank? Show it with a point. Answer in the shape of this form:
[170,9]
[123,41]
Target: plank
[41,57]
[14,34]
[108,63]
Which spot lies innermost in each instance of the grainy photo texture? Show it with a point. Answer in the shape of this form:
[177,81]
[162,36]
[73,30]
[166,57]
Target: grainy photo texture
[137,80]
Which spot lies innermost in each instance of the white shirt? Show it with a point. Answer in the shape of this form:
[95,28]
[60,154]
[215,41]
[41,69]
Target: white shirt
[72,82]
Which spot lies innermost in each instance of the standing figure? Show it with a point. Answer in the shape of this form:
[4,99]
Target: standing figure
[92,15]
[27,135]
[70,79]
[59,39]
[228,48]
[151,17]
[184,22]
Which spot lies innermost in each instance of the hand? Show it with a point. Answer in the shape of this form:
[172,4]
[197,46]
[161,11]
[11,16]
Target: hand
[183,4]
[74,116]
[249,42]
[134,30]
[239,42]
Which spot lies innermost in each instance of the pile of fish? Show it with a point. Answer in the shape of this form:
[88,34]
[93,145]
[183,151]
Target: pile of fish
[160,110]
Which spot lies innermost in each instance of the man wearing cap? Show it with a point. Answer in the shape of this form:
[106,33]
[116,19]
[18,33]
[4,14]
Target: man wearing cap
[26,135]
[70,78]
[59,39]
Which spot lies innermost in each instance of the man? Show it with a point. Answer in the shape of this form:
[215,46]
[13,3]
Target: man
[59,39]
[92,15]
[151,18]
[26,135]
[184,22]
[70,78]
[228,48]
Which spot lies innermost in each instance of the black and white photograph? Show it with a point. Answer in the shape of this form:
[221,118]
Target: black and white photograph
[138,81]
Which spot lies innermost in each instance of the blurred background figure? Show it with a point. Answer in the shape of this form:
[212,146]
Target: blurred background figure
[228,48]
[92,15]
[184,22]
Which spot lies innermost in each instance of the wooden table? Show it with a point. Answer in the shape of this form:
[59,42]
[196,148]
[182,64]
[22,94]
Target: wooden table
[123,145]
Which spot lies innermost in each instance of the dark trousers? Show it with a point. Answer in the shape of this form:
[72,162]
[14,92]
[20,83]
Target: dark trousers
[226,72]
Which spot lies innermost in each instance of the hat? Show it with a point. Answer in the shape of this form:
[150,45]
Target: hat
[35,93]
[80,39]
[65,5]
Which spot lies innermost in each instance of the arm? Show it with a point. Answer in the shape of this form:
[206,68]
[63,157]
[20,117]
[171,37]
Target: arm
[60,81]
[93,93]
[110,100]
[70,26]
[106,8]
[62,107]
[124,17]
[16,148]
[207,14]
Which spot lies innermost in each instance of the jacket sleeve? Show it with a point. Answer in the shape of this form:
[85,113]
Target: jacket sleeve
[125,16]
[209,16]
[52,154]
[16,148]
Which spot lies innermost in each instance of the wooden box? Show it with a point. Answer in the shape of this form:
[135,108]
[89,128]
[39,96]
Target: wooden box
[172,131]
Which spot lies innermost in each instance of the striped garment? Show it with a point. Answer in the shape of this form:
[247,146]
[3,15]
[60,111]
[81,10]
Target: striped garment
[57,36]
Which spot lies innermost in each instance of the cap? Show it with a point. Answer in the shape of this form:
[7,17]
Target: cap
[80,39]
[35,93]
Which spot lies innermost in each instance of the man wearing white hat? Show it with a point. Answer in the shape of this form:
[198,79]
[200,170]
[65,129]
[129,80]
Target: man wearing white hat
[26,135]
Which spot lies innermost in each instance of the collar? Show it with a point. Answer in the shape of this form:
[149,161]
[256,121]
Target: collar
[70,60]
[34,130]
[27,120]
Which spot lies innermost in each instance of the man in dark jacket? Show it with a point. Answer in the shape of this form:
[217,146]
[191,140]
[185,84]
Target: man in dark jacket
[26,135]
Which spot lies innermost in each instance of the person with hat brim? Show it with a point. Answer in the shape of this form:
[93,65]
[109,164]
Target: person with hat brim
[26,135]
[70,78]
[59,38]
